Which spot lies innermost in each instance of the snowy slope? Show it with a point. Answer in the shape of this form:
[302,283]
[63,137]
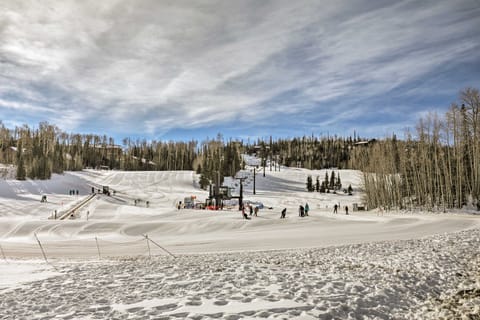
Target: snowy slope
[117,218]
[326,265]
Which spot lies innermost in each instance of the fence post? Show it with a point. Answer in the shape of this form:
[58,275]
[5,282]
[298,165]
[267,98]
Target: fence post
[98,249]
[148,245]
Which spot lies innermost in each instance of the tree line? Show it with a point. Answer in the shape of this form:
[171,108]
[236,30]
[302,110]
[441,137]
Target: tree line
[310,152]
[436,166]
[39,152]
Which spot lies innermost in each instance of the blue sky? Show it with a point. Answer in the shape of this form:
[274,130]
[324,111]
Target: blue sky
[186,70]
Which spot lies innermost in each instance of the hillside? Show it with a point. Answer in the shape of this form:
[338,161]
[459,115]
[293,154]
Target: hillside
[124,217]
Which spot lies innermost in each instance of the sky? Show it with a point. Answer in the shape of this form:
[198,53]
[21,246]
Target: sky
[182,70]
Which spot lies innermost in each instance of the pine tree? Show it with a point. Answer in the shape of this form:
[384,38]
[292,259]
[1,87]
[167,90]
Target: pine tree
[310,187]
[204,182]
[21,172]
[332,180]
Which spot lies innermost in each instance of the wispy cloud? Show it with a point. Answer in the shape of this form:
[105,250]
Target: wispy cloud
[150,67]
[22,107]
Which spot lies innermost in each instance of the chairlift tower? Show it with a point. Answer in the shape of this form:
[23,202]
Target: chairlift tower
[240,198]
[216,191]
[254,174]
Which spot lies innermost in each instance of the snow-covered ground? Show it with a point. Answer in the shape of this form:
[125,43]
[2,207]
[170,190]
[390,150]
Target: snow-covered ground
[205,264]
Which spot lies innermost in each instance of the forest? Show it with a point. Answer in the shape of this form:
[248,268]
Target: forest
[435,167]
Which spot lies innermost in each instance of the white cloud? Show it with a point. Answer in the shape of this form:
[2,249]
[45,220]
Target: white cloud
[23,107]
[160,65]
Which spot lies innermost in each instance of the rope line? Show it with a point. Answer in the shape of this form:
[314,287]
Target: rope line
[102,251]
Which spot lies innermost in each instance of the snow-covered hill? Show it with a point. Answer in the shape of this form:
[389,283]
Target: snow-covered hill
[211,264]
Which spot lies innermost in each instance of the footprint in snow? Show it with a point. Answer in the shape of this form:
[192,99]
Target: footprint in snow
[167,307]
[220,302]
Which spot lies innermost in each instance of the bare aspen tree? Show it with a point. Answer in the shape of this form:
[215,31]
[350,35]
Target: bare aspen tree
[436,169]
[470,99]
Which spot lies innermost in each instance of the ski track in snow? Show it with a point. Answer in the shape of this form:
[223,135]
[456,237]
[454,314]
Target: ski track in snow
[366,265]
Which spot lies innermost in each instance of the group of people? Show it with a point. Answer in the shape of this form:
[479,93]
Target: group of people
[336,206]
[252,210]
[302,211]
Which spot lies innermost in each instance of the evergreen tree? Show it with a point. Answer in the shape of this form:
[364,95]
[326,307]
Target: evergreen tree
[204,182]
[310,187]
[332,180]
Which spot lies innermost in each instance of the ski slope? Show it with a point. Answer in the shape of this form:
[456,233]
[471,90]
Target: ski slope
[205,264]
[121,220]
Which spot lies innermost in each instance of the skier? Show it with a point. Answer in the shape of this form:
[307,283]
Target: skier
[245,216]
[284,213]
[301,211]
[346,210]
[251,210]
[255,211]
[335,207]
[307,208]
